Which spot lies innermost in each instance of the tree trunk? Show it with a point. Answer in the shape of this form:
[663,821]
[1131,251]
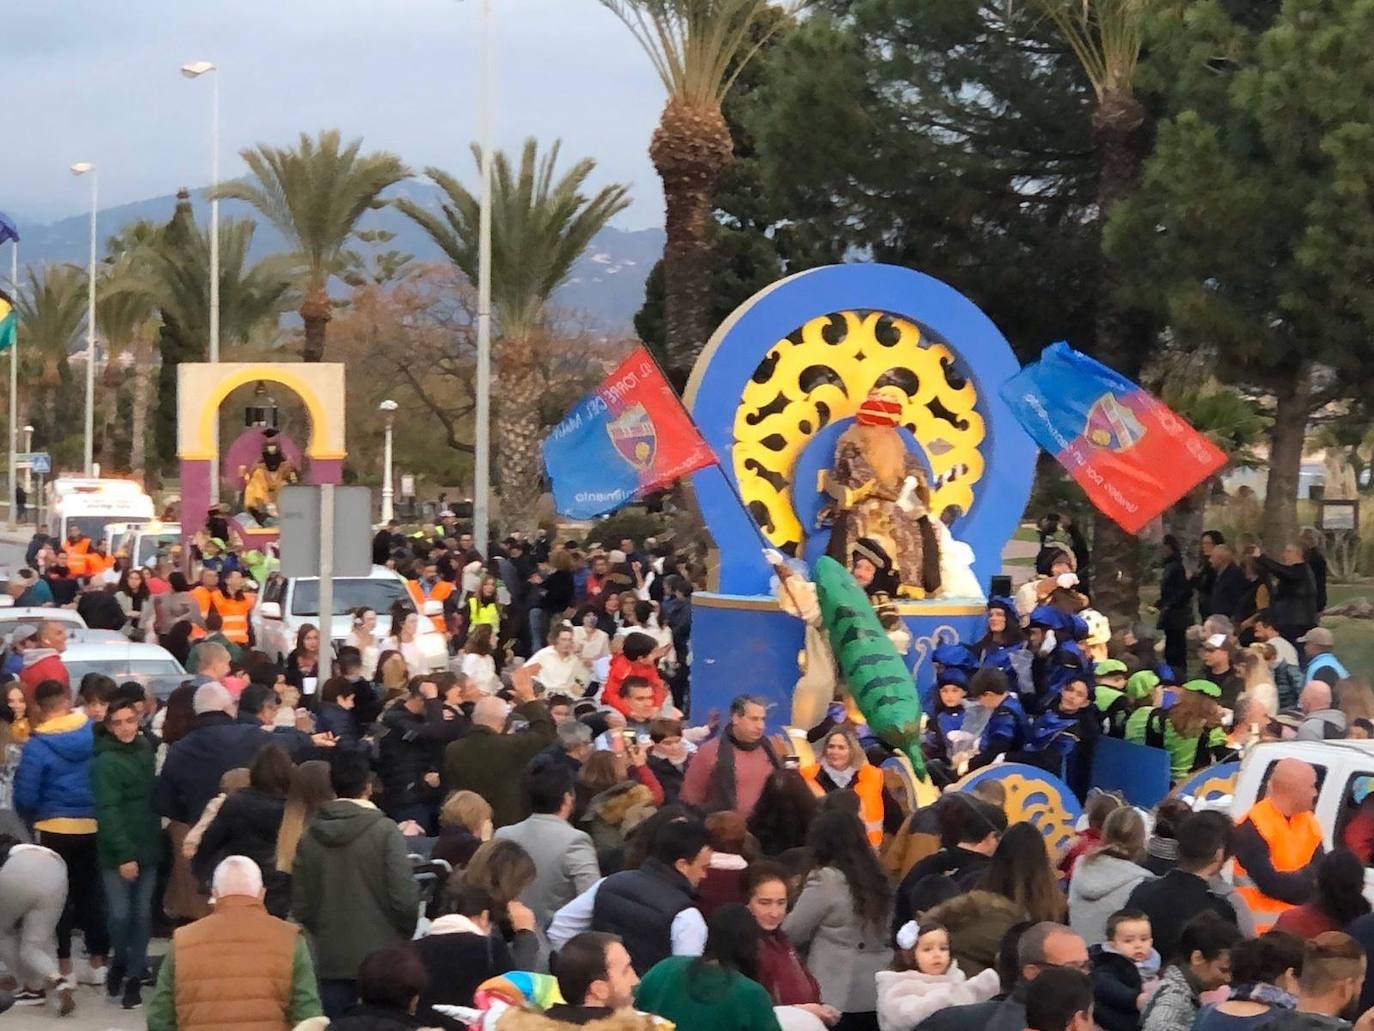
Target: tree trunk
[1292,407]
[516,392]
[1185,520]
[691,148]
[1124,336]
[138,427]
[316,315]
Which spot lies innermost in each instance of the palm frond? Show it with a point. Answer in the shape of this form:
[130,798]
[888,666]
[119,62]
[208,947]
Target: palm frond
[698,47]
[1105,35]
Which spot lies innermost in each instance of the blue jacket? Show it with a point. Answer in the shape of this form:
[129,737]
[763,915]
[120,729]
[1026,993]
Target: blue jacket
[942,722]
[190,775]
[1326,661]
[54,775]
[1007,730]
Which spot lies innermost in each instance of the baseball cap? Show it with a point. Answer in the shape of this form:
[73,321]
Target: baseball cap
[211,697]
[1214,642]
[1108,667]
[23,632]
[1318,635]
[1206,687]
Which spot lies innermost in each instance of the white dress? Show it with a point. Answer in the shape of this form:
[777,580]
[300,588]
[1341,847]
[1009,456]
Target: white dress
[410,651]
[481,670]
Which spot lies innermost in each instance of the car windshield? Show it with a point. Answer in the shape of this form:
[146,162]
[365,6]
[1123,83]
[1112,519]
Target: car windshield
[150,544]
[93,526]
[163,675]
[349,593]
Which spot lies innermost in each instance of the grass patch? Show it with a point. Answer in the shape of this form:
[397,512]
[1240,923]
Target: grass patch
[1029,534]
[1354,643]
[1020,560]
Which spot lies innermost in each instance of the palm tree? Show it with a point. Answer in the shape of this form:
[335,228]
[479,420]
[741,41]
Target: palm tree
[125,313]
[539,227]
[698,48]
[315,195]
[1106,36]
[52,311]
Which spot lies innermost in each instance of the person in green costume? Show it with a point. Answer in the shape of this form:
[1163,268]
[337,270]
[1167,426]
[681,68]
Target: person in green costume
[1190,730]
[1109,694]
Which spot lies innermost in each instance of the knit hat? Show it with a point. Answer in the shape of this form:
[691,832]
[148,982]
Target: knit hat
[882,407]
[1205,687]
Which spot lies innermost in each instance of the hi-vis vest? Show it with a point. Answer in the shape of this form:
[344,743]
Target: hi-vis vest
[478,613]
[234,615]
[868,785]
[1292,844]
[205,601]
[77,552]
[439,592]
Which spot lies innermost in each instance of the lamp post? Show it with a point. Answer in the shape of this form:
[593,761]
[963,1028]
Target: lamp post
[82,168]
[481,507]
[388,409]
[28,469]
[194,70]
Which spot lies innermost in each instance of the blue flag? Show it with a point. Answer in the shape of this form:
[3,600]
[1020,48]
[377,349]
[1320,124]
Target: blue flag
[8,230]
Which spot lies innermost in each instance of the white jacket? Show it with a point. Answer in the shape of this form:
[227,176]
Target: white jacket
[907,998]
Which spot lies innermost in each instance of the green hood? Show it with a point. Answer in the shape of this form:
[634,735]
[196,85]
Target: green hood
[340,823]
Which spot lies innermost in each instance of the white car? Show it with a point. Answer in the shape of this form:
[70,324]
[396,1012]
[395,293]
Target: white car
[148,664]
[12,616]
[285,604]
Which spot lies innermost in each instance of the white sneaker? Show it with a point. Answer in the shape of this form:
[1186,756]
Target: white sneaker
[84,973]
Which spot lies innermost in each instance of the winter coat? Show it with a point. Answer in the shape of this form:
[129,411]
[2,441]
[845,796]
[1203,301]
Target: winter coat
[605,817]
[977,922]
[1174,1004]
[191,772]
[906,998]
[1171,901]
[363,1017]
[128,830]
[491,764]
[783,974]
[564,862]
[669,776]
[352,887]
[1116,987]
[54,775]
[458,958]
[334,719]
[842,951]
[1101,885]
[410,748]
[247,825]
[962,865]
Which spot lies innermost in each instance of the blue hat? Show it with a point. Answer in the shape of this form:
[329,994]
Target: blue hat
[960,656]
[952,675]
[1008,606]
[1166,674]
[1048,617]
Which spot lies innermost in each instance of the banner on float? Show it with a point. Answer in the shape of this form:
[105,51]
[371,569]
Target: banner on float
[1127,450]
[626,438]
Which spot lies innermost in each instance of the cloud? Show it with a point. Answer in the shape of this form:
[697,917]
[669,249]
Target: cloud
[87,81]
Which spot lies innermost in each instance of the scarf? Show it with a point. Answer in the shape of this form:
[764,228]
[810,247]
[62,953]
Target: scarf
[1270,995]
[724,774]
[455,923]
[840,777]
[1162,848]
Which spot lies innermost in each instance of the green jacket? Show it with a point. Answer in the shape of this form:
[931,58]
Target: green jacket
[352,887]
[491,764]
[305,998]
[704,997]
[1183,751]
[122,779]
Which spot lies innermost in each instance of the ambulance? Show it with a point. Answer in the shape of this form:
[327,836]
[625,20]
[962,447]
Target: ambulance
[94,504]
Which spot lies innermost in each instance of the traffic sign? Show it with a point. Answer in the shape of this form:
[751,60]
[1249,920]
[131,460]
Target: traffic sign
[40,462]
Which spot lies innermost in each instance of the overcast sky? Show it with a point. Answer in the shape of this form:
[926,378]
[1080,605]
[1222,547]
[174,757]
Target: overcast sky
[82,80]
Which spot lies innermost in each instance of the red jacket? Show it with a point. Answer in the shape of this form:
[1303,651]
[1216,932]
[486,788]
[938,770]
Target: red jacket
[782,974]
[621,668]
[49,667]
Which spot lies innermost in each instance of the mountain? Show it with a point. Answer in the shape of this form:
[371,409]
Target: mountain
[606,284]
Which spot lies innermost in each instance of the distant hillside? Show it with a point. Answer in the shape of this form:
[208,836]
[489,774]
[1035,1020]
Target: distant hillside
[607,283]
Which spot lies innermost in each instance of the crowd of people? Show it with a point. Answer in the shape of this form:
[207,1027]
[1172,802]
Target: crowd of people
[347,840]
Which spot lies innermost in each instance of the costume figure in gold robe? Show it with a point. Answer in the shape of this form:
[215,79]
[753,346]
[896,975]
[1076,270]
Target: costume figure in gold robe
[269,475]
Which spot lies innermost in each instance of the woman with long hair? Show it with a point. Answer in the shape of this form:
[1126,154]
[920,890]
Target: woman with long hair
[483,607]
[1337,897]
[1190,730]
[589,640]
[362,634]
[135,601]
[405,633]
[779,968]
[392,676]
[610,620]
[841,918]
[310,789]
[716,991]
[303,663]
[785,811]
[504,870]
[479,659]
[1258,677]
[1104,878]
[1003,644]
[1022,872]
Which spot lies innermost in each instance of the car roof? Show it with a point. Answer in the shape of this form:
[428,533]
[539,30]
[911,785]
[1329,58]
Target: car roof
[377,573]
[87,635]
[92,651]
[1315,751]
[38,613]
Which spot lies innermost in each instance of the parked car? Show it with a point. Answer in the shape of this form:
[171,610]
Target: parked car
[148,664]
[286,604]
[12,616]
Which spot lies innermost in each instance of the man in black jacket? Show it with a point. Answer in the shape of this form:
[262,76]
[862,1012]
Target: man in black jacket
[1229,586]
[215,744]
[416,732]
[969,831]
[1204,845]
[596,978]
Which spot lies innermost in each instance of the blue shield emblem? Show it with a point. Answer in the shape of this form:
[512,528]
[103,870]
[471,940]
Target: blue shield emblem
[635,439]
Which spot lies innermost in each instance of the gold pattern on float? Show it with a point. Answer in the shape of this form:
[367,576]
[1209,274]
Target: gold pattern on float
[820,374]
[1213,788]
[1036,800]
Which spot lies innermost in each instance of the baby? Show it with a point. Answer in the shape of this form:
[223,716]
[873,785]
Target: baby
[1125,971]
[925,979]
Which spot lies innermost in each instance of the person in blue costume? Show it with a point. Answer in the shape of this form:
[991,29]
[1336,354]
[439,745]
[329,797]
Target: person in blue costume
[1004,645]
[949,714]
[955,656]
[1057,657]
[1066,733]
[1007,729]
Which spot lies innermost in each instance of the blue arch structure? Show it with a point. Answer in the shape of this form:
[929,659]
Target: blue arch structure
[740,641]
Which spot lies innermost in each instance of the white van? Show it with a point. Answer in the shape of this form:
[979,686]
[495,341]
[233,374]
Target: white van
[94,504]
[285,604]
[142,541]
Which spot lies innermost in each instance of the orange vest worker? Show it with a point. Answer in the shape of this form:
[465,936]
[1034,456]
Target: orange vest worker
[1292,842]
[868,785]
[440,592]
[234,614]
[77,551]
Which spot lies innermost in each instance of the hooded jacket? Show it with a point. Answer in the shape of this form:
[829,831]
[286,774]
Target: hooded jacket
[52,787]
[122,786]
[977,922]
[1100,886]
[352,887]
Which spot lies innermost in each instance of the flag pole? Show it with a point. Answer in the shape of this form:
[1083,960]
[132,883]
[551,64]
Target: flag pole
[14,387]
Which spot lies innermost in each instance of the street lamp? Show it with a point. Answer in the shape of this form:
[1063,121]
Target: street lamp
[388,409]
[194,70]
[81,168]
[28,469]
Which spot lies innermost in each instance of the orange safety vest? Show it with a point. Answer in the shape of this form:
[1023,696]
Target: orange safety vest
[439,592]
[868,785]
[77,562]
[1292,843]
[204,599]
[234,615]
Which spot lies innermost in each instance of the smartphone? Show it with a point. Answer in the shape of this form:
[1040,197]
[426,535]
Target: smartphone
[791,762]
[630,736]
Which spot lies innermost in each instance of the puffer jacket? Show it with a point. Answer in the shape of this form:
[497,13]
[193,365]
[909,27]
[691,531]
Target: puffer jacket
[412,746]
[54,775]
[128,829]
[247,825]
[977,922]
[606,813]
[1101,885]
[905,998]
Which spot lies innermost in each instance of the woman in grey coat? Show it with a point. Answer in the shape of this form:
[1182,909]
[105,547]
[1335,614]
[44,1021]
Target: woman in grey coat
[841,920]
[1103,880]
